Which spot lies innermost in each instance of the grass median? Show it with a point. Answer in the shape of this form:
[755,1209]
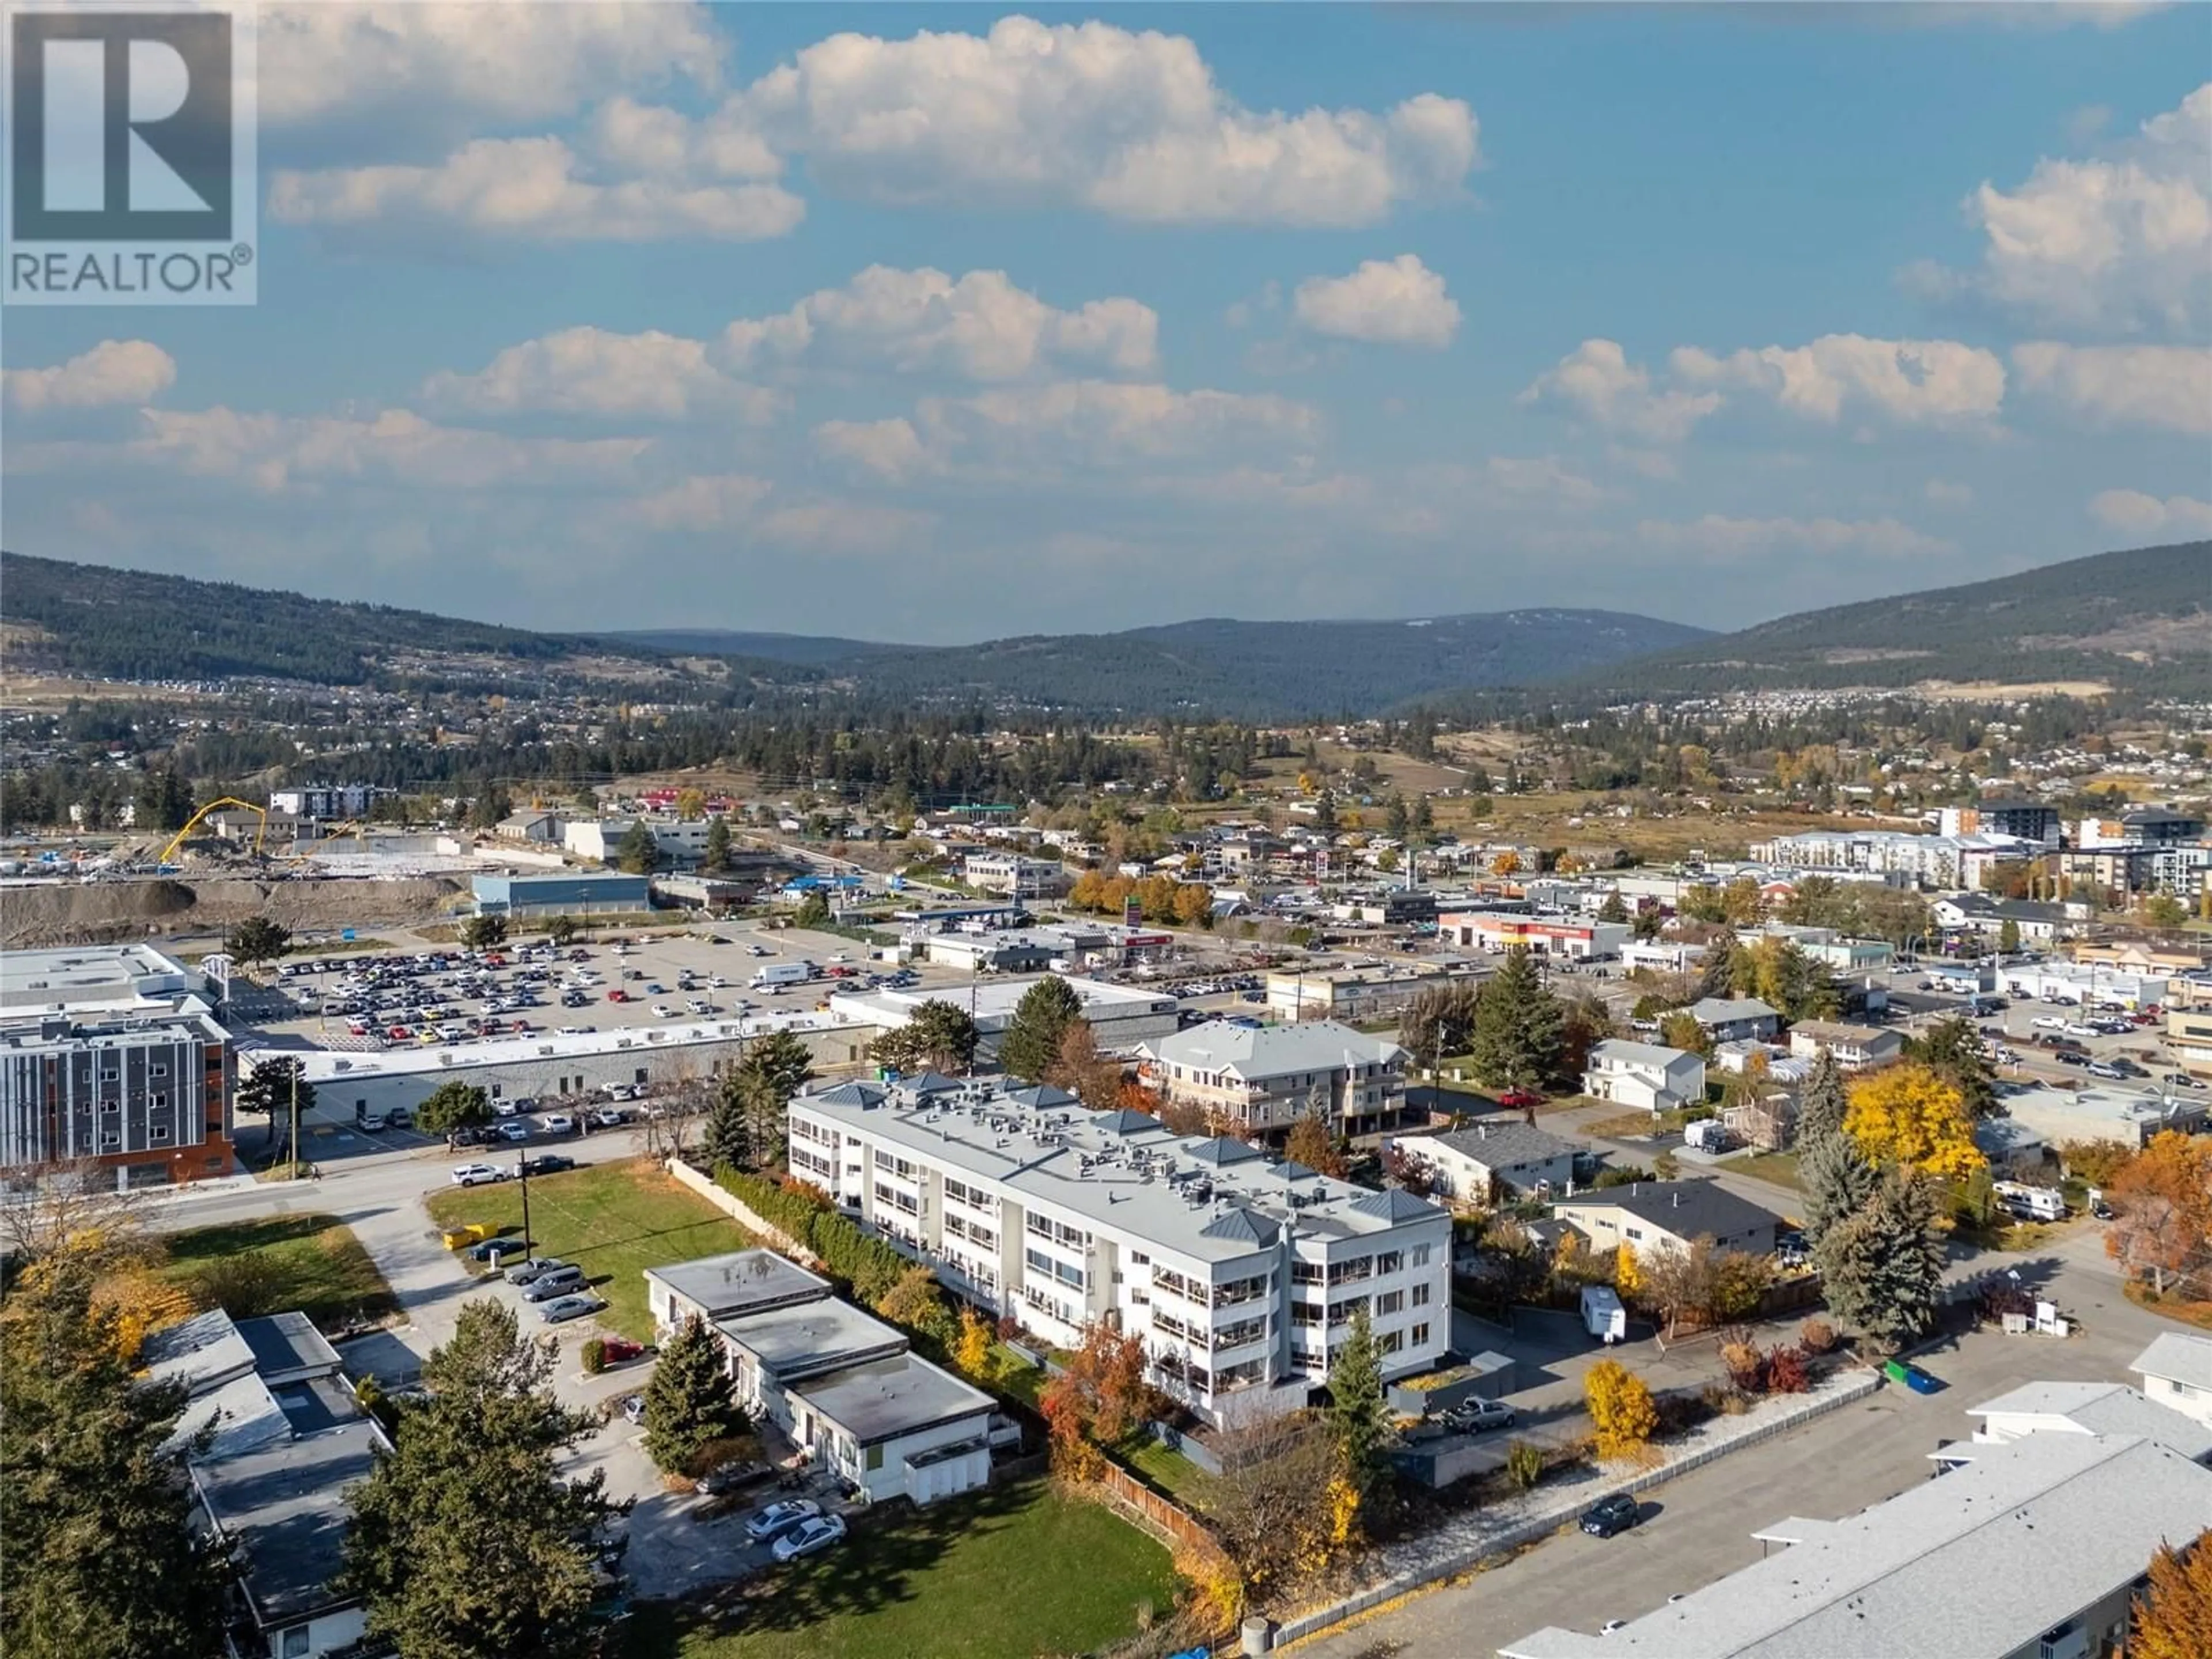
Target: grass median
[614,1220]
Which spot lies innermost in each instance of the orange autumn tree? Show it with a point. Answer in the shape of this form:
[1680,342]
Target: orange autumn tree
[1909,1115]
[2162,1210]
[1100,1397]
[2173,1620]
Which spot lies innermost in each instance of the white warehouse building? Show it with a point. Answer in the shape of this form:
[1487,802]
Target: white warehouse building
[1241,1272]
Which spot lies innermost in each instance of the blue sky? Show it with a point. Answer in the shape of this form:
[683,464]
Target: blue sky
[941,324]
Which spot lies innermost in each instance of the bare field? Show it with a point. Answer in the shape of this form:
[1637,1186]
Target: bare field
[1979,690]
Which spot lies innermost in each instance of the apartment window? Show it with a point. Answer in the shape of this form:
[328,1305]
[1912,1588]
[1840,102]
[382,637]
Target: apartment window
[158,1071]
[295,1642]
[1037,1225]
[1138,1259]
[1390,1301]
[109,1142]
[1420,1296]
[1389,1262]
[161,1131]
[1420,1336]
[1632,1232]
[1421,1255]
[117,1106]
[1390,1342]
[109,1074]
[158,1102]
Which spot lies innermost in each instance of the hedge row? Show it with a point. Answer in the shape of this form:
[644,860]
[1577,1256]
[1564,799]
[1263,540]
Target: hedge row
[865,1266]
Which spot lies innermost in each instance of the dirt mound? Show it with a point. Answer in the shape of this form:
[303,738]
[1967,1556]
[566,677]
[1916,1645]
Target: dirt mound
[102,912]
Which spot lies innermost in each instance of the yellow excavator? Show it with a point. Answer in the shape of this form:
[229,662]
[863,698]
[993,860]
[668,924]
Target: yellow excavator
[192,823]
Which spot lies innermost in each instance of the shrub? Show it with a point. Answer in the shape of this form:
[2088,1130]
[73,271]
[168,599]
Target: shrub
[595,1356]
[1786,1372]
[1524,1464]
[1009,1328]
[1816,1336]
[1739,1357]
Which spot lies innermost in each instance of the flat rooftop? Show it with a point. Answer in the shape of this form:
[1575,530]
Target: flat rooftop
[812,1337]
[885,1398]
[91,976]
[285,1502]
[1206,1200]
[992,1001]
[740,1281]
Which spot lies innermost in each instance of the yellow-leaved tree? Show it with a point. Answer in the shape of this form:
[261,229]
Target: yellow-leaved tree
[1621,1408]
[1909,1115]
[972,1352]
[1627,1277]
[2173,1620]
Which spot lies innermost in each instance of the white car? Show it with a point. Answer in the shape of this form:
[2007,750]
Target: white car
[699,1006]
[514,1130]
[2047,1022]
[572,1030]
[477,1175]
[557,1123]
[808,1536]
[662,1010]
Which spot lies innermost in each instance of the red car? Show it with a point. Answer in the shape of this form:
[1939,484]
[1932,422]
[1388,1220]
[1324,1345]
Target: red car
[1520,1097]
[620,1348]
[617,996]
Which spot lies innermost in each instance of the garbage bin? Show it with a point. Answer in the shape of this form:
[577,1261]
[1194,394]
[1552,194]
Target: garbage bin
[1895,1372]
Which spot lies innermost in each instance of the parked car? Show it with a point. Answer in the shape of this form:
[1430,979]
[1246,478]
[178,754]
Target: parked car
[1520,1097]
[1608,1515]
[1479,1416]
[561,1309]
[514,1130]
[557,1123]
[607,1117]
[492,1251]
[633,1408]
[529,1272]
[777,1518]
[547,1163]
[734,1477]
[560,1281]
[477,1175]
[620,1348]
[808,1536]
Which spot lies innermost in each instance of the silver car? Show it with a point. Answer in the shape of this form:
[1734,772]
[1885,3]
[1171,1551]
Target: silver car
[563,1308]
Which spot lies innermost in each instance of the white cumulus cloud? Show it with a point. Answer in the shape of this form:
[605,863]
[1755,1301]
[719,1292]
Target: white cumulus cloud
[1397,301]
[592,372]
[703,503]
[1914,381]
[1129,123]
[2168,386]
[2139,514]
[114,372]
[979,325]
[529,190]
[2117,243]
[833,527]
[1597,381]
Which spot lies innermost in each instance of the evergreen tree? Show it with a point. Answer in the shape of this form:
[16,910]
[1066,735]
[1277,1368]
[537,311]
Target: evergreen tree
[1615,908]
[257,939]
[102,1560]
[744,1129]
[1822,1103]
[639,853]
[1397,817]
[268,1087]
[1325,813]
[814,910]
[1881,1266]
[453,1107]
[1517,1027]
[482,1450]
[727,1142]
[715,857]
[689,1407]
[1358,1415]
[1031,1043]
[938,1035]
[1837,1182]
[484,931]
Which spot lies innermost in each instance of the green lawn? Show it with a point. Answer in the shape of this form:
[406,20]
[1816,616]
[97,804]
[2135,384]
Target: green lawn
[310,1262]
[1780,1168]
[615,1220]
[1008,1573]
[1166,1470]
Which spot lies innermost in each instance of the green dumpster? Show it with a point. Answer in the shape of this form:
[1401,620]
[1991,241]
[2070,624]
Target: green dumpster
[1894,1370]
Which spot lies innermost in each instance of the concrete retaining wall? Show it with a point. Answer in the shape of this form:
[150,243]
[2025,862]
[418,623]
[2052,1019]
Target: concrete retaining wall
[1540,1521]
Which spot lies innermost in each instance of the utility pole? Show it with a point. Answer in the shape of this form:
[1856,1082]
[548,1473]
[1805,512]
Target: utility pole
[522,1171]
[296,1119]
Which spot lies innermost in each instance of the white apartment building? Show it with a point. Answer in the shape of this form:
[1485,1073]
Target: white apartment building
[1937,861]
[1014,874]
[1241,1272]
[681,841]
[322,801]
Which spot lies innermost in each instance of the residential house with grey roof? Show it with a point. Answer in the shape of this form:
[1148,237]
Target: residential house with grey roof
[1648,1076]
[1241,1270]
[1493,1157]
[2177,1372]
[1732,1019]
[1267,1077]
[1669,1214]
[2035,1549]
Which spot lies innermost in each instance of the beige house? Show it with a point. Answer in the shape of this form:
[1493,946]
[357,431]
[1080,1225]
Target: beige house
[1267,1077]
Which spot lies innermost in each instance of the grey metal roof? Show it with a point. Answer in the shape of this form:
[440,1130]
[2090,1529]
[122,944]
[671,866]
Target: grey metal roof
[1225,1149]
[287,1344]
[857,1093]
[886,1398]
[1042,1098]
[1393,1205]
[2177,1357]
[1976,1564]
[1127,1122]
[285,1501]
[1256,1053]
[742,1281]
[1499,1145]
[2100,1408]
[205,1352]
[1685,1208]
[1244,1227]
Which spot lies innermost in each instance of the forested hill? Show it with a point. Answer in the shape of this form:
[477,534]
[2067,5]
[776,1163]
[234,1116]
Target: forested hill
[2141,618]
[126,624]
[134,624]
